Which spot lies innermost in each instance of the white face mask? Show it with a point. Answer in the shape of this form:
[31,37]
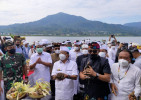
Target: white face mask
[57,51]
[123,62]
[113,47]
[102,54]
[44,47]
[84,51]
[62,56]
[76,48]
[109,45]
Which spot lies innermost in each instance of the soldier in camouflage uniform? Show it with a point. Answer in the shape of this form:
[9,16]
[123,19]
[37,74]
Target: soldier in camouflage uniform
[13,66]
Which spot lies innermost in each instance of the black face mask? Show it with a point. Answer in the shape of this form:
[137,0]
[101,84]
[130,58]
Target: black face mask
[12,51]
[49,51]
[93,56]
[17,45]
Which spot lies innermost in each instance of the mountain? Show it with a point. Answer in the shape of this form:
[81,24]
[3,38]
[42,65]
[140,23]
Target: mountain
[134,24]
[65,24]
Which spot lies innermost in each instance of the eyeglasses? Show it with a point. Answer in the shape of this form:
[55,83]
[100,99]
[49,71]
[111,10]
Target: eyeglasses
[92,51]
[57,48]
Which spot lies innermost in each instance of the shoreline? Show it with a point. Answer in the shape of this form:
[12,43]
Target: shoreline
[67,36]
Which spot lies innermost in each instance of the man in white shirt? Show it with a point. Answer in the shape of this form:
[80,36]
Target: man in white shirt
[137,56]
[41,62]
[112,52]
[64,72]
[103,53]
[26,49]
[74,53]
[125,78]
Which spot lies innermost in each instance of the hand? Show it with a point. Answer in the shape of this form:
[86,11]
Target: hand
[132,96]
[60,76]
[32,50]
[1,90]
[90,71]
[1,54]
[39,61]
[114,89]
[26,81]
[65,75]
[84,76]
[120,45]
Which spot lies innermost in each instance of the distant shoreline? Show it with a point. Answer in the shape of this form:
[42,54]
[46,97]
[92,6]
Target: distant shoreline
[70,36]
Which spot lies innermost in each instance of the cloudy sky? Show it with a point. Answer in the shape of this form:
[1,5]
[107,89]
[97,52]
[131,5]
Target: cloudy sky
[109,11]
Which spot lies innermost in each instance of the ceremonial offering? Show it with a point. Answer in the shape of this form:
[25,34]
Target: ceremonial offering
[17,91]
[40,90]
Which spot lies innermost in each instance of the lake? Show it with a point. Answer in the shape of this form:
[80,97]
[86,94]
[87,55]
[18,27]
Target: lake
[61,39]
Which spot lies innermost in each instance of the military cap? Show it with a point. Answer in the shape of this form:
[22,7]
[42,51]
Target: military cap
[9,43]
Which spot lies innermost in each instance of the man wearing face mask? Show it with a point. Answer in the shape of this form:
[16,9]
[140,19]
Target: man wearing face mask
[112,52]
[68,44]
[84,52]
[73,56]
[41,63]
[19,48]
[76,51]
[13,66]
[49,49]
[78,61]
[64,72]
[55,57]
[108,45]
[26,49]
[95,71]
[125,78]
[103,53]
[137,56]
[45,43]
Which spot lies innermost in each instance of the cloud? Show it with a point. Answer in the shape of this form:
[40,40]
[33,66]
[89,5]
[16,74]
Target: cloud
[21,11]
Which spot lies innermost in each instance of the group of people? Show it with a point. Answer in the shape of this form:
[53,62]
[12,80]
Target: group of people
[79,70]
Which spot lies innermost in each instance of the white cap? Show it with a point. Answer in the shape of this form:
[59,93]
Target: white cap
[44,41]
[77,43]
[26,42]
[49,45]
[23,41]
[64,49]
[38,43]
[135,44]
[84,46]
[68,41]
[108,42]
[63,42]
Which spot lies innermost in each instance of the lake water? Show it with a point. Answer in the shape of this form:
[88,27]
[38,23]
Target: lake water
[61,39]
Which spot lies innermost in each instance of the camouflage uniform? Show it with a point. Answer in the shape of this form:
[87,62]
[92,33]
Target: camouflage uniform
[12,68]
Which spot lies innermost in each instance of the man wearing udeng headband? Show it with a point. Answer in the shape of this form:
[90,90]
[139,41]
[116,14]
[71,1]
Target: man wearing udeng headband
[95,71]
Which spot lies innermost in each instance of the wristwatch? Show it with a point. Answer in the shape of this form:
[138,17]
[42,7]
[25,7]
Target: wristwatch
[97,75]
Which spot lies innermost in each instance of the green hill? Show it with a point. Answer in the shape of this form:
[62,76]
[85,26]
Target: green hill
[65,24]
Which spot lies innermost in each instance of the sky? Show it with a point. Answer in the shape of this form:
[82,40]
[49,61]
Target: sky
[108,11]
